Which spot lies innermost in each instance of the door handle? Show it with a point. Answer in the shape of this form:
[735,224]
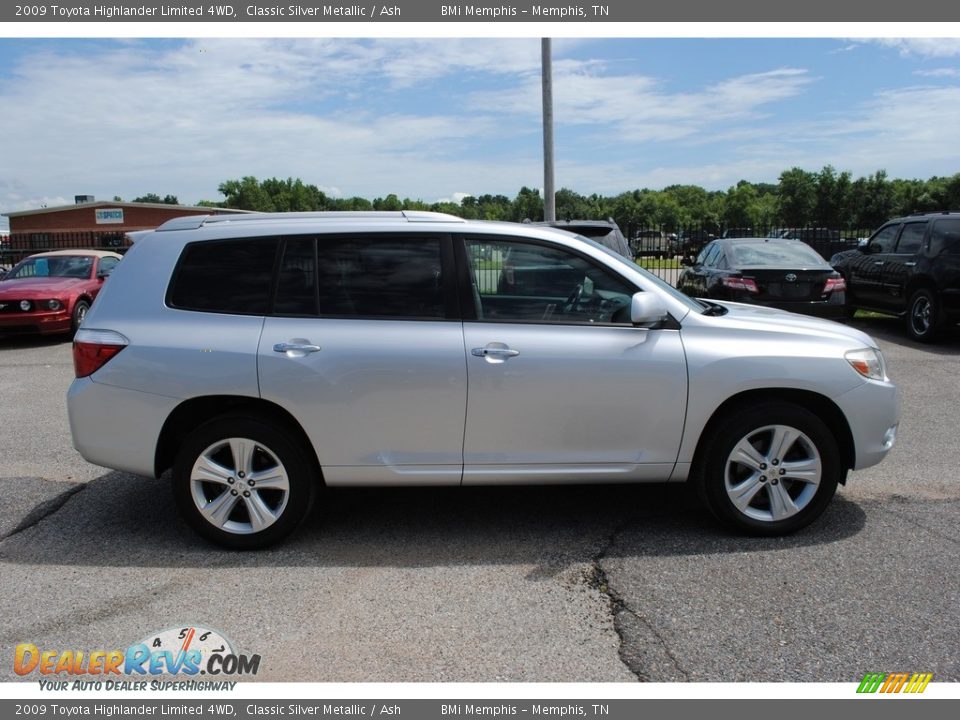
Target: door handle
[879,262]
[495,354]
[304,347]
[910,264]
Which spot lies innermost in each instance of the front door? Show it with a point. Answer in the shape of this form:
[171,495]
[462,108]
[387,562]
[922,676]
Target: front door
[561,386]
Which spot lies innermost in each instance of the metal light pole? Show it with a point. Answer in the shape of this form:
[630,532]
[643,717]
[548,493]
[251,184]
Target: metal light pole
[549,198]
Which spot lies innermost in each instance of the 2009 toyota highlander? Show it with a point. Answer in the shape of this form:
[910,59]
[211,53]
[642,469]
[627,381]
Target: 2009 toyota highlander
[262,357]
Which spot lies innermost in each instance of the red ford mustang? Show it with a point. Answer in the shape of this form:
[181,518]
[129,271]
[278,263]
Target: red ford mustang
[52,291]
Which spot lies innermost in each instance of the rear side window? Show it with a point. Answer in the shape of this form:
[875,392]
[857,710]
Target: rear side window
[911,238]
[232,276]
[945,238]
[393,277]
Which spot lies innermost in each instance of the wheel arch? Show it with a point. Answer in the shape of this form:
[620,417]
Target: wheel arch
[918,282]
[816,403]
[192,413]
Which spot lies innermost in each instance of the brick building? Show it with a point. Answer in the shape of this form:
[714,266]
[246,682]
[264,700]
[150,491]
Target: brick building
[88,224]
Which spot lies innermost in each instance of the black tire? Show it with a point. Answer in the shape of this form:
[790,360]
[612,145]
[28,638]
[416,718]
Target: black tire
[79,313]
[924,319]
[268,448]
[718,475]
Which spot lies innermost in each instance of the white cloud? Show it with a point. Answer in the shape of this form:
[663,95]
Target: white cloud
[923,47]
[637,107]
[938,73]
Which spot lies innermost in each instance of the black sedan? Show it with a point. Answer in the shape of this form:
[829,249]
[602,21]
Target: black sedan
[785,274]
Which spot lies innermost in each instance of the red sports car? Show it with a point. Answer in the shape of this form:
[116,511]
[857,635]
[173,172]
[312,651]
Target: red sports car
[52,291]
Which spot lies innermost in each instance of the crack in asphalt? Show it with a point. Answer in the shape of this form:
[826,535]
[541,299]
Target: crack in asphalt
[44,510]
[618,607]
[913,521]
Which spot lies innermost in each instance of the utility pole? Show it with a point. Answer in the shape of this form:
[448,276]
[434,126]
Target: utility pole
[549,197]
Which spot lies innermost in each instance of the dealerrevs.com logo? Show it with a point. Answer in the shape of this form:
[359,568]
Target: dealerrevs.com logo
[189,650]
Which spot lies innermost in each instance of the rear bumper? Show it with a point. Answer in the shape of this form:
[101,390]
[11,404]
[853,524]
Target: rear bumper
[123,440]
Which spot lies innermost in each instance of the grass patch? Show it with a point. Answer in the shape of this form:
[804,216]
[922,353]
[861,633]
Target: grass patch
[871,314]
[650,263]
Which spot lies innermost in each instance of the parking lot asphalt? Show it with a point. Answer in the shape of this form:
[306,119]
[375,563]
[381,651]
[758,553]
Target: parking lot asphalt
[603,583]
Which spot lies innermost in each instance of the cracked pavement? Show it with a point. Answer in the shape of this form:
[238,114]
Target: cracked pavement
[605,583]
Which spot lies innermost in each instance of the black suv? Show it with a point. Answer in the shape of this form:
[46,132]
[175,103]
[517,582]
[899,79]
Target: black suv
[909,267]
[605,232]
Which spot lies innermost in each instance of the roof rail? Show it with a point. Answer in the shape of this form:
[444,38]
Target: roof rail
[193,222]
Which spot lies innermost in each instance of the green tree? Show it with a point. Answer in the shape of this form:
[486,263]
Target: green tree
[528,205]
[798,196]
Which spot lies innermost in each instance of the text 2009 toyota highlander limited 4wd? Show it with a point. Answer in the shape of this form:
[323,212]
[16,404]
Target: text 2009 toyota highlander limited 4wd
[261,357]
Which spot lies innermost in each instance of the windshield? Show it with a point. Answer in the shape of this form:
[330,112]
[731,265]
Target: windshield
[67,266]
[694,305]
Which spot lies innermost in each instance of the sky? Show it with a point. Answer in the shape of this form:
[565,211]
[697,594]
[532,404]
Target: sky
[436,119]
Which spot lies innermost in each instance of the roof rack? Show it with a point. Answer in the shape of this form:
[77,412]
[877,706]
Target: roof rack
[412,216]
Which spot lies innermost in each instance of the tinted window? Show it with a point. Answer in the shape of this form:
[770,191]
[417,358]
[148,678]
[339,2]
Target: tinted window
[776,254]
[883,240]
[702,257]
[945,237]
[230,276]
[380,277]
[297,282]
[911,238]
[526,282]
[713,252]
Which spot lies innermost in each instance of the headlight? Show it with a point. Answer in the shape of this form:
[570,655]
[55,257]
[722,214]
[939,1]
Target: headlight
[54,304]
[25,305]
[868,362]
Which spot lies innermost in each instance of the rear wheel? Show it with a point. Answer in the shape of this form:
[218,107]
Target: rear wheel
[242,483]
[923,316]
[770,469]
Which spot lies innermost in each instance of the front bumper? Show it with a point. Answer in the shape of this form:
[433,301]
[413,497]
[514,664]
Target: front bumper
[873,413]
[57,321]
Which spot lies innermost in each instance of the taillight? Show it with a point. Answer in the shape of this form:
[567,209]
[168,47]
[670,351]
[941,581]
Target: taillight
[741,283]
[93,348]
[835,285]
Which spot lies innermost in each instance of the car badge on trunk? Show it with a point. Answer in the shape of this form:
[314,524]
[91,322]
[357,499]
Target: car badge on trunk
[791,277]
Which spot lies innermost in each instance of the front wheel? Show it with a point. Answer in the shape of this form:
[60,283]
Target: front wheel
[79,313]
[242,483]
[923,316]
[770,469]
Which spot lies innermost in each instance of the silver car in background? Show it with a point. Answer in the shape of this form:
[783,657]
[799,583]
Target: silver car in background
[264,357]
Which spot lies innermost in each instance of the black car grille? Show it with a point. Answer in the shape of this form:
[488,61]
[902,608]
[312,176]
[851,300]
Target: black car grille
[11,306]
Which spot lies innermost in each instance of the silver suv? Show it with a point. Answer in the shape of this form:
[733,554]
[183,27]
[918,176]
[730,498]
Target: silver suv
[264,357]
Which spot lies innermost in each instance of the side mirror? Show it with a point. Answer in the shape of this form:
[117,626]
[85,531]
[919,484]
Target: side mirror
[686,261]
[647,309]
[103,275]
[862,243]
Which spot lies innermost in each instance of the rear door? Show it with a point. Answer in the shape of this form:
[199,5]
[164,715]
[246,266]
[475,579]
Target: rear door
[562,386]
[365,349]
